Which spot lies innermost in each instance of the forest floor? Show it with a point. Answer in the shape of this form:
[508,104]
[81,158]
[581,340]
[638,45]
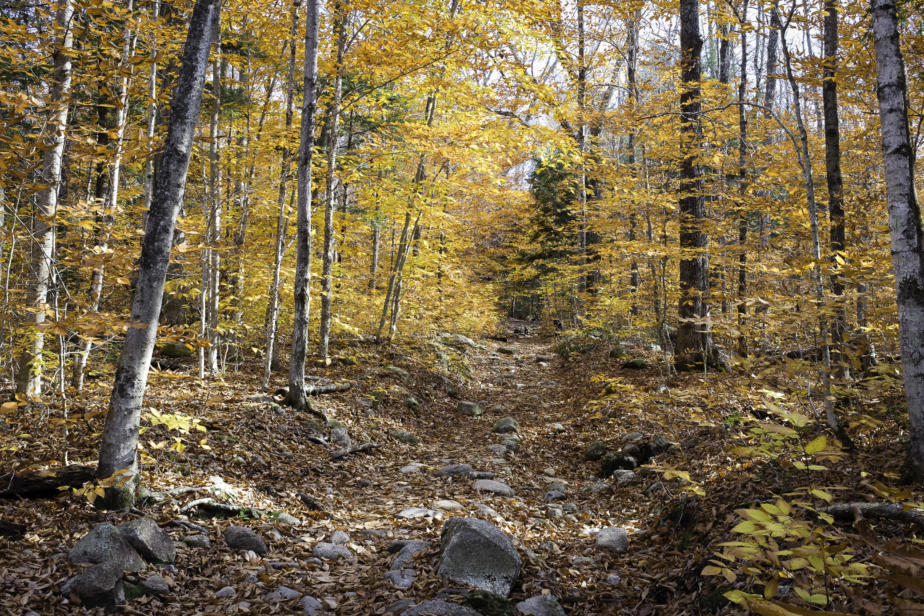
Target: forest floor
[564,393]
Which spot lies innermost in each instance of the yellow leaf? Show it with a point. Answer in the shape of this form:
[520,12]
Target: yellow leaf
[8,407]
[816,445]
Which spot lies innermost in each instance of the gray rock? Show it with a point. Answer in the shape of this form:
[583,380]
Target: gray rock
[155,585]
[448,505]
[580,561]
[511,444]
[507,350]
[595,451]
[227,592]
[407,552]
[623,476]
[488,511]
[553,495]
[557,428]
[283,593]
[403,436]
[311,606]
[615,461]
[483,474]
[455,470]
[613,579]
[477,553]
[411,402]
[331,551]
[497,449]
[99,586]
[495,487]
[470,409]
[399,606]
[633,437]
[412,513]
[149,540]
[540,605]
[600,487]
[340,437]
[242,538]
[439,608]
[288,519]
[570,507]
[339,538]
[505,425]
[613,539]
[197,541]
[409,469]
[106,543]
[401,579]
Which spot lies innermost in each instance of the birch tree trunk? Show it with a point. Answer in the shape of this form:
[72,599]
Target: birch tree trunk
[29,377]
[118,468]
[904,220]
[272,310]
[212,264]
[693,335]
[333,135]
[297,396]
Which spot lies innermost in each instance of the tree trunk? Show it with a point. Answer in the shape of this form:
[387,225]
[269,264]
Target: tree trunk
[212,271]
[742,185]
[118,458]
[693,335]
[904,220]
[837,234]
[272,310]
[29,378]
[296,396]
[333,135]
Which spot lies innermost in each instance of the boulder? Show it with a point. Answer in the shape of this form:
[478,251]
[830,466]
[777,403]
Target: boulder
[540,605]
[242,538]
[613,539]
[439,608]
[149,539]
[104,544]
[99,586]
[505,425]
[477,553]
[595,451]
[470,409]
[615,461]
[331,551]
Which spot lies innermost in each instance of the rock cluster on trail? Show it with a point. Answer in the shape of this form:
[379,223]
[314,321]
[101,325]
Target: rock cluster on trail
[635,450]
[116,550]
[478,553]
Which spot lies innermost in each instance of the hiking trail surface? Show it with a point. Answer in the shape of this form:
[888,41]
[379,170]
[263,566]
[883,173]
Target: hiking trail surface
[334,503]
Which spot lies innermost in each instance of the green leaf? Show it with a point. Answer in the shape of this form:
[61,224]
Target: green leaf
[816,445]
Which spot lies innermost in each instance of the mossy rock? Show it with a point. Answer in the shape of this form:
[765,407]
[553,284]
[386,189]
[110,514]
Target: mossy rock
[403,436]
[595,451]
[174,350]
[470,409]
[635,364]
[411,402]
[505,425]
[489,604]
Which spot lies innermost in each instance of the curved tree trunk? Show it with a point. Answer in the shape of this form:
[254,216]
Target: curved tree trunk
[118,458]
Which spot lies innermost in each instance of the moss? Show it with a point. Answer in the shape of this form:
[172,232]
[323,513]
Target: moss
[489,604]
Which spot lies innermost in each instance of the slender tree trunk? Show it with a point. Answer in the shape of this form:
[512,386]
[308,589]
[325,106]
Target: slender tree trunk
[272,310]
[212,269]
[838,237]
[111,202]
[118,458]
[151,117]
[297,395]
[904,220]
[29,377]
[742,185]
[333,136]
[632,84]
[805,161]
[694,334]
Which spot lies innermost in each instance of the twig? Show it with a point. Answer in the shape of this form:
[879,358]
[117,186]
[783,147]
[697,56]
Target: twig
[850,512]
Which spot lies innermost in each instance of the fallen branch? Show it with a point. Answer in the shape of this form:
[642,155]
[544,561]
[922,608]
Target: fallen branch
[317,390]
[342,453]
[214,507]
[45,485]
[850,512]
[190,526]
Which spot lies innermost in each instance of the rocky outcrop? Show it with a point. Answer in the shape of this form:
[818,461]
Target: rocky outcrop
[477,553]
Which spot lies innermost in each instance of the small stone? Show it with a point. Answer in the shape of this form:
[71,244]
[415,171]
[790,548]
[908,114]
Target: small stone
[488,511]
[455,470]
[623,476]
[614,461]
[557,428]
[613,539]
[274,535]
[340,437]
[401,579]
[399,372]
[580,561]
[613,579]
[484,474]
[283,593]
[156,585]
[411,402]
[505,425]
[448,505]
[288,519]
[311,606]
[227,592]
[570,507]
[600,487]
[543,364]
[362,482]
[197,541]
[339,538]
[470,409]
[409,469]
[497,450]
[331,551]
[548,471]
[495,487]
[553,495]
[412,513]
[511,444]
[403,436]
[242,538]
[540,605]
